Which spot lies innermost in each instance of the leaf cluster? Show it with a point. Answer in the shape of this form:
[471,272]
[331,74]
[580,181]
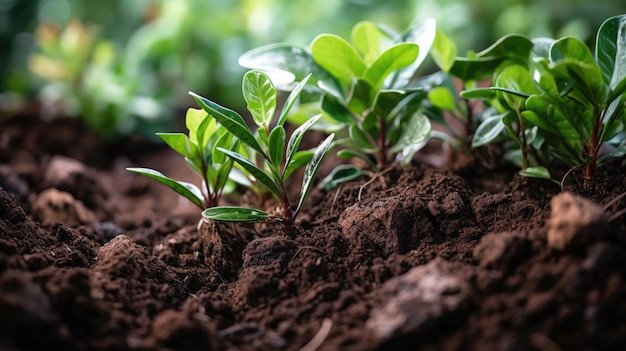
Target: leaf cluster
[560,100]
[365,88]
[279,156]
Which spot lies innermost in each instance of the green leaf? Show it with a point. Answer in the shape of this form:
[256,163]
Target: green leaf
[393,58]
[488,130]
[367,39]
[442,98]
[312,168]
[484,64]
[443,51]
[277,145]
[348,153]
[193,119]
[296,138]
[337,57]
[285,63]
[251,168]
[479,93]
[611,50]
[361,96]
[572,48]
[291,100]
[516,86]
[536,172]
[236,214]
[260,95]
[415,132]
[360,139]
[298,160]
[188,190]
[180,143]
[232,121]
[335,109]
[341,174]
[423,34]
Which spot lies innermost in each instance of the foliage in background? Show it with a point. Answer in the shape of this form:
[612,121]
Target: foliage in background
[559,99]
[364,86]
[169,47]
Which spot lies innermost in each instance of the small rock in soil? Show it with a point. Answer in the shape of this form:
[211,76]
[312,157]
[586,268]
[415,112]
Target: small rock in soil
[392,224]
[25,311]
[184,330]
[264,251]
[574,223]
[501,250]
[420,300]
[53,205]
[70,175]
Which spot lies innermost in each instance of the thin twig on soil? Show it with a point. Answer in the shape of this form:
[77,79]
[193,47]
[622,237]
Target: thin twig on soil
[319,338]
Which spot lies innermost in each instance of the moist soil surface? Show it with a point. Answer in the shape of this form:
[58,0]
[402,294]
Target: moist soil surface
[461,257]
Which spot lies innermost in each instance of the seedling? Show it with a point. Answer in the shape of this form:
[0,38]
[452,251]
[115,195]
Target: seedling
[364,87]
[566,99]
[279,158]
[200,151]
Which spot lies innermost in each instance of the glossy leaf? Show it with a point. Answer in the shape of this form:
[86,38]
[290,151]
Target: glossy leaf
[488,130]
[360,139]
[341,174]
[611,50]
[298,160]
[251,168]
[516,84]
[536,172]
[193,119]
[366,38]
[291,100]
[180,143]
[487,61]
[443,51]
[236,214]
[349,153]
[415,132]
[336,109]
[479,93]
[284,63]
[260,96]
[276,145]
[296,138]
[232,121]
[423,34]
[188,190]
[442,98]
[393,58]
[312,168]
[337,57]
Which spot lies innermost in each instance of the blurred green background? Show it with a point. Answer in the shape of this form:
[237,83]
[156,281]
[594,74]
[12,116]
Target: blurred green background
[126,66]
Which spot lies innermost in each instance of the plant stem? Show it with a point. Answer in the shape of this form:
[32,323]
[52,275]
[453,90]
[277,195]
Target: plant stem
[523,141]
[382,144]
[288,216]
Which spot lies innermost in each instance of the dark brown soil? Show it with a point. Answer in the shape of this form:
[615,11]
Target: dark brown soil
[95,258]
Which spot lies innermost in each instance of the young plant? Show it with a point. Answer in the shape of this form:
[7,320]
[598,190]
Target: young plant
[364,87]
[443,97]
[278,157]
[573,100]
[200,149]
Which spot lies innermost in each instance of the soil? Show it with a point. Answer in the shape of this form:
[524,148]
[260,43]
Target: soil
[467,257]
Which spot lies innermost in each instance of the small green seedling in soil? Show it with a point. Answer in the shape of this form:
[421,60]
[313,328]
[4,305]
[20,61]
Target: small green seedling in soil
[200,149]
[364,87]
[279,157]
[573,99]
